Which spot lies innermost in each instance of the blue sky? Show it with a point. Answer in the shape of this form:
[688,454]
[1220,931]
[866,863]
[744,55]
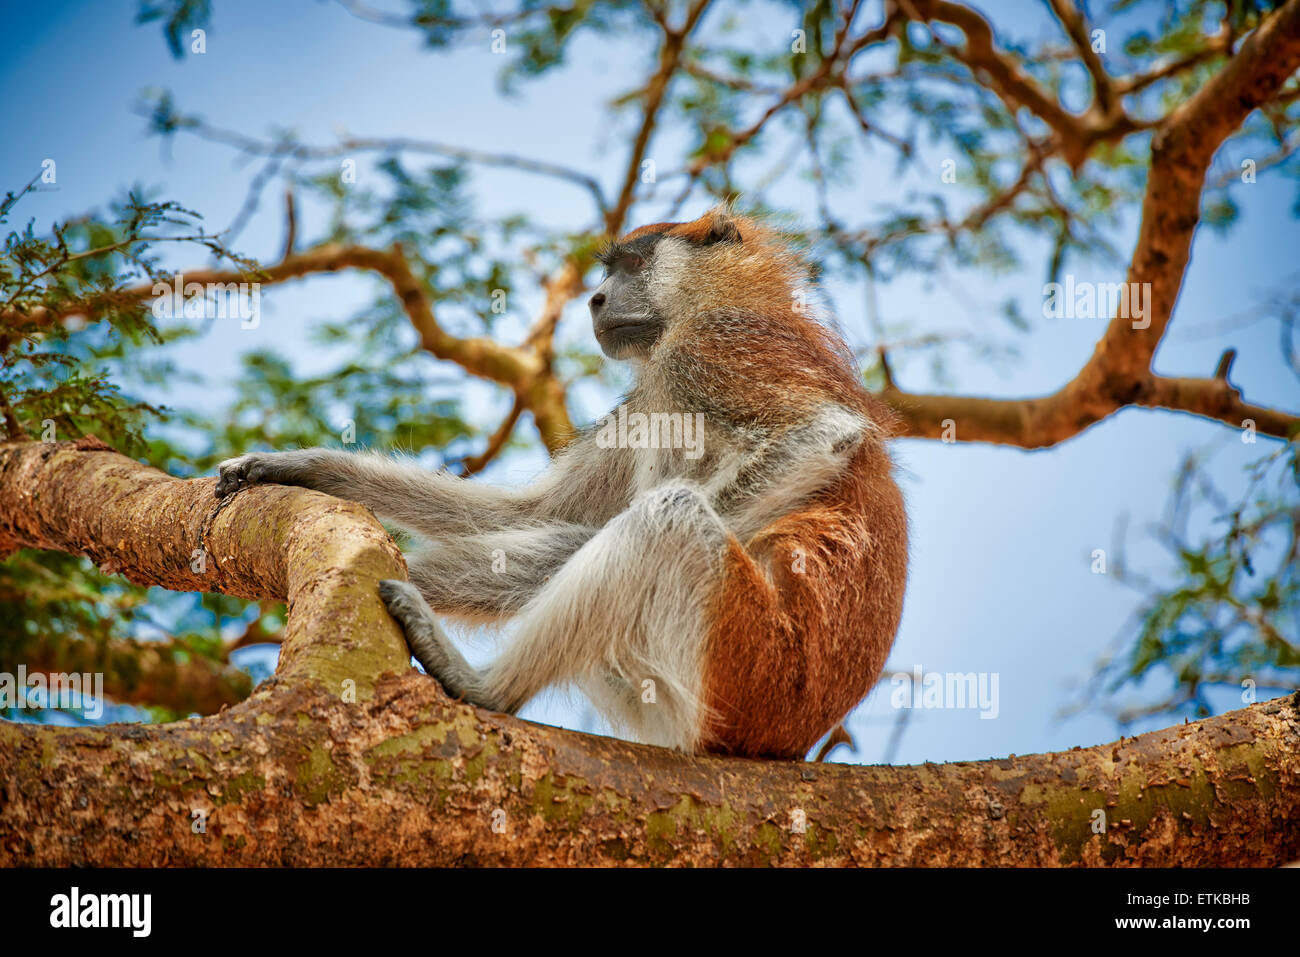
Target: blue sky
[1002,538]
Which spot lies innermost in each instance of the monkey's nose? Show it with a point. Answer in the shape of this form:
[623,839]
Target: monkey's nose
[597,301]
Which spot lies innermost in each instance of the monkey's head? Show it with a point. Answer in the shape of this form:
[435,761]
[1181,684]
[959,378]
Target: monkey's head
[660,277]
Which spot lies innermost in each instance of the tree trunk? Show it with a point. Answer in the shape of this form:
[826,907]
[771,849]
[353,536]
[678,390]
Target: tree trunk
[347,756]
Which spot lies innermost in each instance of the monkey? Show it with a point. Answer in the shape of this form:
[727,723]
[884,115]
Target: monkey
[734,597]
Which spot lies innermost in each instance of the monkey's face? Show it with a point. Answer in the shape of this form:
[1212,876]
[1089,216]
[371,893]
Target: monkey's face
[667,273]
[626,323]
[654,273]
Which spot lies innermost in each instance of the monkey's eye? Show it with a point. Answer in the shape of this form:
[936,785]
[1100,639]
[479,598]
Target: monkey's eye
[632,263]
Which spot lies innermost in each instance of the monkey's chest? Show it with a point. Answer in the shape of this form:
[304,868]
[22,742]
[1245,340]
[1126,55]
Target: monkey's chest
[653,467]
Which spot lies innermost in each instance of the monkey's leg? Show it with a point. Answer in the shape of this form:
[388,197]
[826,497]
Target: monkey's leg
[431,502]
[625,617]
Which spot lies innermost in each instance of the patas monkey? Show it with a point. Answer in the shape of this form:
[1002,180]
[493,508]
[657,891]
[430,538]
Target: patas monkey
[733,591]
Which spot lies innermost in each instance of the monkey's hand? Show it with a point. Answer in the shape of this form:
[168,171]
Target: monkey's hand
[251,469]
[263,468]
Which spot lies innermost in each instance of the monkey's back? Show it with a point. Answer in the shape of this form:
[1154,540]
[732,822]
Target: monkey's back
[806,614]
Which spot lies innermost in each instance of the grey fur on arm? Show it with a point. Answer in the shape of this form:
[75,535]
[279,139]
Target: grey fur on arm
[433,503]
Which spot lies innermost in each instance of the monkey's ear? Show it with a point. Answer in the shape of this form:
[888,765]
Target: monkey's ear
[723,229]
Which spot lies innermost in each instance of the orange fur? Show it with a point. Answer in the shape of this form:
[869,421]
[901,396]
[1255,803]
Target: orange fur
[808,608]
[792,651]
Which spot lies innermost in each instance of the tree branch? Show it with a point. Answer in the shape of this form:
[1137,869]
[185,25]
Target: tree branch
[1075,135]
[476,463]
[1071,18]
[321,555]
[291,778]
[1119,373]
[521,369]
[291,149]
[1039,422]
[301,774]
[652,97]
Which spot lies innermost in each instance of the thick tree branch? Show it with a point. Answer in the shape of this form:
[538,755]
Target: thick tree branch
[321,555]
[1181,151]
[302,773]
[292,777]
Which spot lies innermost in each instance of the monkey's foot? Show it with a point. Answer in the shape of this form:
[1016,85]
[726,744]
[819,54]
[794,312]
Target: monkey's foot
[426,641]
[407,606]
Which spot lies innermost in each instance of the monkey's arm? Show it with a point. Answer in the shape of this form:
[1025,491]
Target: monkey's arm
[433,503]
[495,574]
[787,468]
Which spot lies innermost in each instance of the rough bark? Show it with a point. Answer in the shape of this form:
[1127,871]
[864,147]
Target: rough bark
[305,772]
[320,554]
[297,776]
